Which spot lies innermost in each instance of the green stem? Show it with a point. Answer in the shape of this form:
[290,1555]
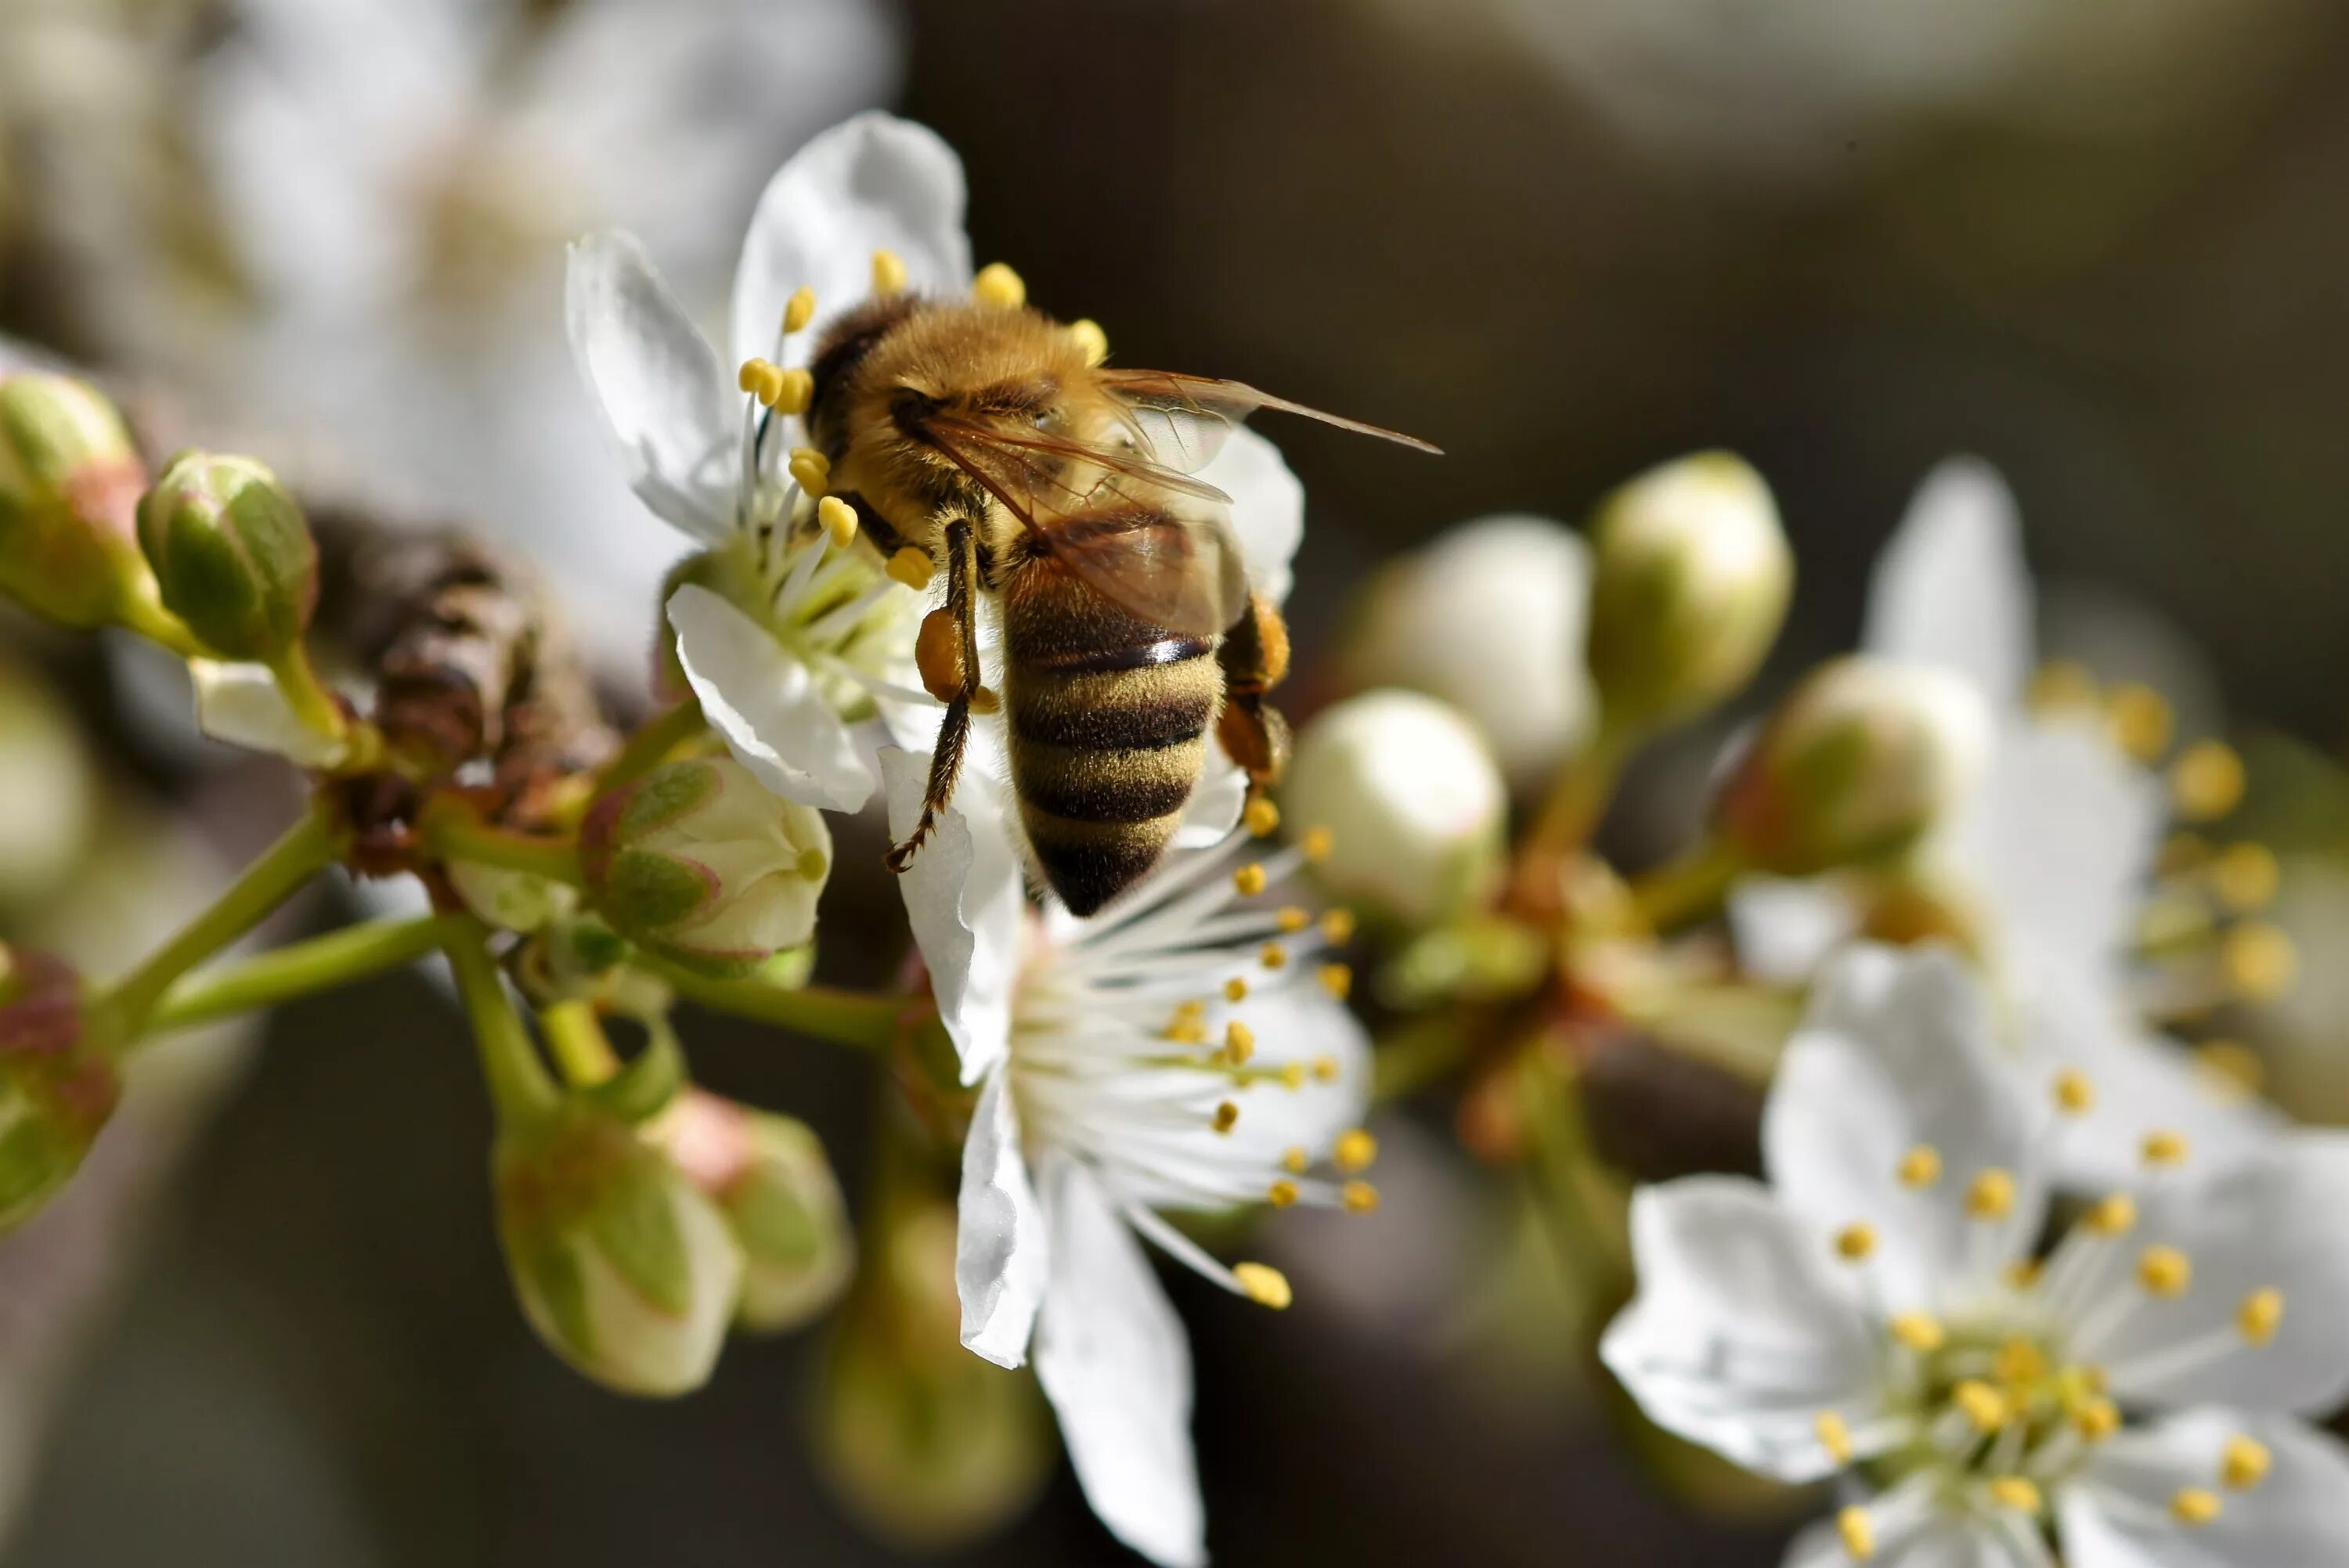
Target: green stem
[162,628]
[305,849]
[452,832]
[309,699]
[650,745]
[1579,797]
[582,1053]
[297,970]
[520,1085]
[843,1018]
[1586,1212]
[1687,887]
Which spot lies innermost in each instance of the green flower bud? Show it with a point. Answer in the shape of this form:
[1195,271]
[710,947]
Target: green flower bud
[56,1087]
[69,481]
[1692,577]
[1412,800]
[768,1176]
[1860,760]
[233,555]
[622,1265]
[697,862]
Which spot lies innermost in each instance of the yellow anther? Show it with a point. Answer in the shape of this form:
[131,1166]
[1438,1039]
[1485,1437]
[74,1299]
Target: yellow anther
[1325,1069]
[1337,979]
[911,564]
[2164,1271]
[1856,1243]
[759,378]
[2141,721]
[1273,956]
[1227,1116]
[1249,880]
[888,272]
[2016,1492]
[2193,1506]
[1835,1436]
[2260,961]
[1360,1197]
[799,309]
[809,471]
[1240,1042]
[2020,1363]
[2095,1419]
[2075,1094]
[1091,338]
[1292,920]
[2164,1148]
[1859,1534]
[2231,1069]
[2207,781]
[2261,1315]
[2243,1463]
[1918,1332]
[2022,1273]
[1338,924]
[2110,1216]
[1187,1032]
[1281,1195]
[838,520]
[1982,1404]
[1920,1167]
[1317,843]
[998,285]
[1991,1195]
[2182,852]
[794,390]
[1297,1161]
[1236,989]
[1355,1149]
[2245,877]
[1264,1284]
[1292,1075]
[1262,817]
[1194,1008]
[2063,682]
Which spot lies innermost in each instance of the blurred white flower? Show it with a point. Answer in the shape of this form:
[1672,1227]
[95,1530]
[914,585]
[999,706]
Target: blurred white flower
[1182,1050]
[2051,859]
[1878,1310]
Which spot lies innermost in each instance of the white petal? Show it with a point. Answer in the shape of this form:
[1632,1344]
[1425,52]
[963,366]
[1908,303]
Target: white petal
[766,703]
[1740,1335]
[870,183]
[1936,1543]
[1951,587]
[1268,507]
[966,901]
[2271,1223]
[2116,1515]
[241,704]
[658,381]
[1298,1023]
[1002,1251]
[1786,929]
[1113,1361]
[1896,1052]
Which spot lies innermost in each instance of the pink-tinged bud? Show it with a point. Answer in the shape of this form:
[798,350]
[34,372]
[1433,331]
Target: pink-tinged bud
[768,1176]
[70,484]
[232,556]
[57,1089]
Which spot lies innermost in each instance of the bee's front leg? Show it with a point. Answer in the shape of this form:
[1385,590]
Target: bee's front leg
[1255,657]
[947,651]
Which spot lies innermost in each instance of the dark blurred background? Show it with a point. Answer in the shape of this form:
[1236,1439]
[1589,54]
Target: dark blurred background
[2099,243]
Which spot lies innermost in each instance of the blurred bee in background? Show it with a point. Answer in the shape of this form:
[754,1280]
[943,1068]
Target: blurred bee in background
[990,438]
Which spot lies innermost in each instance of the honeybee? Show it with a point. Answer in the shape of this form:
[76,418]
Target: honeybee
[988,437]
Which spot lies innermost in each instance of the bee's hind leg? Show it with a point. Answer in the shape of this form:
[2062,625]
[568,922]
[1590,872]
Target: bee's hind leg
[1254,656]
[947,654]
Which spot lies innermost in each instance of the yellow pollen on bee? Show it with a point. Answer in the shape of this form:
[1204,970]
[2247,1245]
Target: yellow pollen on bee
[1835,1436]
[1325,1069]
[2231,1069]
[1273,956]
[1338,924]
[1317,843]
[1264,1284]
[2141,721]
[1857,1533]
[911,564]
[1261,817]
[1248,880]
[1292,1075]
[888,272]
[2207,780]
[2243,1463]
[998,285]
[2163,1149]
[1281,1195]
[2016,1492]
[2195,1507]
[2095,1419]
[798,310]
[2245,877]
[1856,1243]
[2020,1361]
[1981,1404]
[2259,1317]
[1236,989]
[1292,920]
[1337,979]
[2075,1093]
[1356,1150]
[1918,1332]
[838,521]
[2258,960]
[1991,1195]
[2165,1272]
[1296,1162]
[794,390]
[1920,1167]
[1240,1042]
[2111,1216]
[1091,339]
[809,471]
[1227,1116]
[1360,1197]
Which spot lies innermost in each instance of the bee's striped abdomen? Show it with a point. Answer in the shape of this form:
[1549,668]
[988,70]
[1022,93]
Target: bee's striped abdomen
[1109,717]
